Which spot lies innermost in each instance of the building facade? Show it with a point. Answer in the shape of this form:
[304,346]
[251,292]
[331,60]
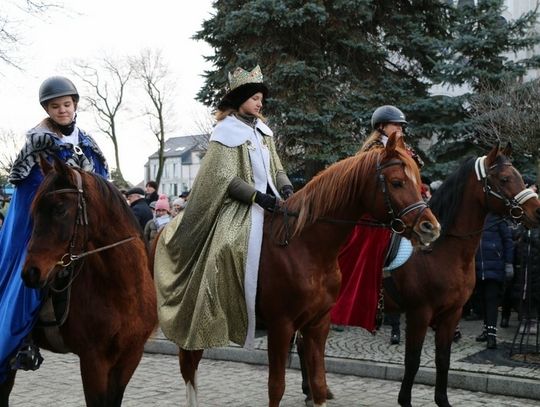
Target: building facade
[182,161]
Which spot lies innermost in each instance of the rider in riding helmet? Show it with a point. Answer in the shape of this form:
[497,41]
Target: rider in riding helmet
[362,257]
[56,136]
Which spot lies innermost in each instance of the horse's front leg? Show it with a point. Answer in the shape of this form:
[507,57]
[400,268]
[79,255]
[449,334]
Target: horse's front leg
[314,341]
[6,387]
[95,371]
[279,338]
[444,335]
[189,362]
[417,324]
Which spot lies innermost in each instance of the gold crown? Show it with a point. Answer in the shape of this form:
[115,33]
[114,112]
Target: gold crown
[240,77]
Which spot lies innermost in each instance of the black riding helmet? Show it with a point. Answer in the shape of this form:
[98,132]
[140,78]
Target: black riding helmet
[57,86]
[387,114]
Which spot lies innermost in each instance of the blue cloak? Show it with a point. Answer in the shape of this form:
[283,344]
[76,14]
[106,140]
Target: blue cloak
[19,305]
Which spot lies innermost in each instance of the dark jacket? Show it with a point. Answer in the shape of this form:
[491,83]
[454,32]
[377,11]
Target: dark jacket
[142,212]
[496,249]
[527,264]
[154,196]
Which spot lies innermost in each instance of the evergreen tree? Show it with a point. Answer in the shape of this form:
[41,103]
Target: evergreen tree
[477,55]
[329,64]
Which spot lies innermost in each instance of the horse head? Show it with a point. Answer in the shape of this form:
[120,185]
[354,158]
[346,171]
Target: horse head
[503,188]
[54,212]
[399,198]
[72,212]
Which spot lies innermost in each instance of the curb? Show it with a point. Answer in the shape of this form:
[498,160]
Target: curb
[472,381]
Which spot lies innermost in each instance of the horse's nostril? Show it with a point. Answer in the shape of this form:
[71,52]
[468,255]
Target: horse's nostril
[31,277]
[426,226]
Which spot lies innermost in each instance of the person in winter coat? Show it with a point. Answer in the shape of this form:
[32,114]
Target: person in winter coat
[494,264]
[139,206]
[56,136]
[523,291]
[161,218]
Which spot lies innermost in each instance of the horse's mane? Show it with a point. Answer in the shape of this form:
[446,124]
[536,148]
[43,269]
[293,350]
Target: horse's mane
[343,181]
[111,198]
[446,200]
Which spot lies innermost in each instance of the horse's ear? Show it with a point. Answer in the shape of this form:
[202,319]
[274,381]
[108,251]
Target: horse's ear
[492,155]
[507,151]
[61,167]
[44,165]
[393,141]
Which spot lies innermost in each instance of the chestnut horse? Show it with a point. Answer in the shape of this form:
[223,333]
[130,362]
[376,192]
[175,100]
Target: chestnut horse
[433,285]
[82,221]
[299,277]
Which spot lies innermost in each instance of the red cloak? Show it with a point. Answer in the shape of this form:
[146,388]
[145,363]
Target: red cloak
[361,261]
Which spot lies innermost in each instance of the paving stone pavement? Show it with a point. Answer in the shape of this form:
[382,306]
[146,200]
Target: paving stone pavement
[157,382]
[363,370]
[354,351]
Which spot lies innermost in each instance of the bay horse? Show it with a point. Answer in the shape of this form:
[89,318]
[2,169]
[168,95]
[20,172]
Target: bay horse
[82,221]
[299,277]
[433,285]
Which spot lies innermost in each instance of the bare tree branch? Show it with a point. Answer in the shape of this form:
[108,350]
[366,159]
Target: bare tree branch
[11,144]
[15,12]
[152,71]
[509,113]
[106,82]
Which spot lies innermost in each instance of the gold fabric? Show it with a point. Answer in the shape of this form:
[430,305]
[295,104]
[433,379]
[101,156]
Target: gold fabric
[201,255]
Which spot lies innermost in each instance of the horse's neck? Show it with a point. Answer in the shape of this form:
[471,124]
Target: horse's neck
[468,223]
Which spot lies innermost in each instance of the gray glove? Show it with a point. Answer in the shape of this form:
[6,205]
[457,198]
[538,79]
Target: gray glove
[287,191]
[509,271]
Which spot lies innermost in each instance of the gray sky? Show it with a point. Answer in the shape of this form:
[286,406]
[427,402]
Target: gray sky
[90,29]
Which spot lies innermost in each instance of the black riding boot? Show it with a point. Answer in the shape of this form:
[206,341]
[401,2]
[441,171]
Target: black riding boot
[27,358]
[483,336]
[491,337]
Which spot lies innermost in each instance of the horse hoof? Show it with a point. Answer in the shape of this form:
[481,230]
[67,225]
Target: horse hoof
[329,394]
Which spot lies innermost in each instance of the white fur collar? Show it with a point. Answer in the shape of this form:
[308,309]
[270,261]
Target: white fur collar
[232,132]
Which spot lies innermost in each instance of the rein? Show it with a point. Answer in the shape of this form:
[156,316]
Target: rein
[515,210]
[82,220]
[397,225]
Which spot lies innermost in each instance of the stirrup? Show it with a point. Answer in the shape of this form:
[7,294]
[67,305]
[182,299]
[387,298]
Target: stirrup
[27,358]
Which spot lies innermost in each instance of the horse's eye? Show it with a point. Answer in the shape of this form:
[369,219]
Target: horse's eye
[503,180]
[59,209]
[397,183]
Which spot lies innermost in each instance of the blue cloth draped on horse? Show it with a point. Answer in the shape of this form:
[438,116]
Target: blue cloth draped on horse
[19,305]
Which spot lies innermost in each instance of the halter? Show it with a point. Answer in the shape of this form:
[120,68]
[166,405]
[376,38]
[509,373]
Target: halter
[515,209]
[81,220]
[396,224]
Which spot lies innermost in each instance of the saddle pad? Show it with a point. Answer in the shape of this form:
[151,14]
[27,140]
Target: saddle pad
[403,253]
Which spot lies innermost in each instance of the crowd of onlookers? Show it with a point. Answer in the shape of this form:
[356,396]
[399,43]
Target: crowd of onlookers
[153,210]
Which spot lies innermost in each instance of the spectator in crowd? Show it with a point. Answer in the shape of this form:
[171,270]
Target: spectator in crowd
[151,194]
[177,206]
[523,292]
[139,206]
[161,218]
[494,264]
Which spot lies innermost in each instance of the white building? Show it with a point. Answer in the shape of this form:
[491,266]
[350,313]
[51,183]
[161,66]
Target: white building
[182,161]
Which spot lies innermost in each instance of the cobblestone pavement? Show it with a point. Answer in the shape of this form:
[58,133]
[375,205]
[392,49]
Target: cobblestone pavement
[157,382]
